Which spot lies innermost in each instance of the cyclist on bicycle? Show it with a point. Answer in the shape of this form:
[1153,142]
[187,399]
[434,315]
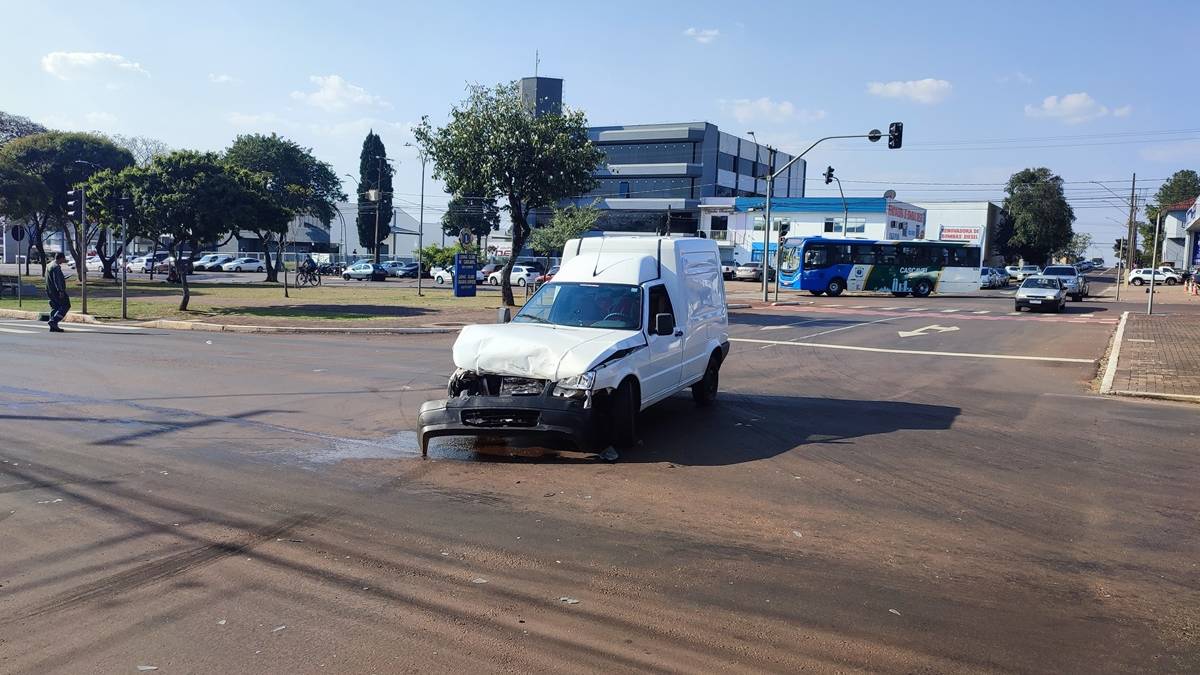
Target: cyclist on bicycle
[309,265]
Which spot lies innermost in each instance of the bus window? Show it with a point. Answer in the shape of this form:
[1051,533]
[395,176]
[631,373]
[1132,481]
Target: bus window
[791,258]
[816,256]
[913,256]
[864,254]
[964,257]
[885,254]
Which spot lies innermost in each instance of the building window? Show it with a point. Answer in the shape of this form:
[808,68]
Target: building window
[856,225]
[725,162]
[833,225]
[623,188]
[647,153]
[643,188]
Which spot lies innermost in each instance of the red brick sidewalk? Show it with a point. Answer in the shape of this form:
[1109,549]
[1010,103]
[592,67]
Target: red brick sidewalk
[1158,356]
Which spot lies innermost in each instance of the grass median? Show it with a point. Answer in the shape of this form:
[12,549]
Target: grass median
[359,303]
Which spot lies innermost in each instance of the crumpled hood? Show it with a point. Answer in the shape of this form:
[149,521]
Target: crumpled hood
[535,350]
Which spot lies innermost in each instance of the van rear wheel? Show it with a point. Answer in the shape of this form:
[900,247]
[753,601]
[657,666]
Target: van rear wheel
[625,408]
[704,392]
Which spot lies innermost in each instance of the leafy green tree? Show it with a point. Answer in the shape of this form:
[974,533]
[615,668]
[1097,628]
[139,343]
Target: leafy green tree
[496,148]
[105,191]
[15,126]
[478,215]
[62,161]
[295,180]
[1040,214]
[566,224]
[21,193]
[443,256]
[1182,186]
[193,199]
[143,148]
[1077,247]
[374,173]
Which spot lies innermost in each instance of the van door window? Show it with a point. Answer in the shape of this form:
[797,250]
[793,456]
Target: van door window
[660,303]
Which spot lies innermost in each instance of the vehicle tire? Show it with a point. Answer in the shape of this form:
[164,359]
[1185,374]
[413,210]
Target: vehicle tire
[493,281]
[817,292]
[1017,308]
[1078,297]
[260,269]
[900,294]
[1062,306]
[704,392]
[922,288]
[346,277]
[521,281]
[237,269]
[835,287]
[1170,281]
[440,280]
[1137,282]
[625,408]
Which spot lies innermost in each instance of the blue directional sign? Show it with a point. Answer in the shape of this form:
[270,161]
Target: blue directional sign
[465,265]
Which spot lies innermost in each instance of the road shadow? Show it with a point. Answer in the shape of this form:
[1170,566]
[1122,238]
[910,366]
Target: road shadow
[360,311]
[803,320]
[739,428]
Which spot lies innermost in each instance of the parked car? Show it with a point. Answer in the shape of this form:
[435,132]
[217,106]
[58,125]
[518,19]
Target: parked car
[1002,276]
[393,267]
[987,279]
[407,270]
[94,264]
[1075,284]
[1012,271]
[1026,271]
[145,263]
[1038,292]
[212,262]
[727,268]
[593,348]
[1142,276]
[445,275]
[751,271]
[521,276]
[244,265]
[364,271]
[548,275]
[489,268]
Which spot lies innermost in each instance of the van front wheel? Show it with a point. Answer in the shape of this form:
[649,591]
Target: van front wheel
[625,407]
[704,392]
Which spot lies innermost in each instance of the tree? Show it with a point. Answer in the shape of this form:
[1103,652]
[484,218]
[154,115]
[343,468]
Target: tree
[295,180]
[374,173]
[13,127]
[494,147]
[434,255]
[1182,186]
[1040,214]
[1077,248]
[193,199]
[1120,247]
[478,215]
[143,148]
[21,193]
[565,225]
[62,161]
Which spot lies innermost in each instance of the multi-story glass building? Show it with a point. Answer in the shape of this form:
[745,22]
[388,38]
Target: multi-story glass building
[653,173]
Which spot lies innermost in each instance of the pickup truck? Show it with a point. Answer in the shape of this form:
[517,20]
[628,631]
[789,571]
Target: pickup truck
[625,323]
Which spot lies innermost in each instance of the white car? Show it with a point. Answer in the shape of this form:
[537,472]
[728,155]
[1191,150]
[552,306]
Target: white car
[244,265]
[212,262]
[445,275]
[1026,271]
[1044,293]
[1142,276]
[625,323]
[521,276]
[94,264]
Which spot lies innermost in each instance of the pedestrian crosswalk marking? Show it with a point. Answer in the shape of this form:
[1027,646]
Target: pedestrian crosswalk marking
[14,330]
[948,311]
[982,311]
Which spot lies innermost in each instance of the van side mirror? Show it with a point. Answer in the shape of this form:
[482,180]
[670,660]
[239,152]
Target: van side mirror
[664,324]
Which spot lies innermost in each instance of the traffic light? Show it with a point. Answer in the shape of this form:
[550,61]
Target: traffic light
[784,228]
[895,135]
[75,203]
[828,175]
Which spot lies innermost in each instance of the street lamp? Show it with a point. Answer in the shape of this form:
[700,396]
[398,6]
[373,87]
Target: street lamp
[81,245]
[421,221]
[873,136]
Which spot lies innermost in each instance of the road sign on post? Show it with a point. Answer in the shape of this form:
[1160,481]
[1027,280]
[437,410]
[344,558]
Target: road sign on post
[464,274]
[18,232]
[465,238]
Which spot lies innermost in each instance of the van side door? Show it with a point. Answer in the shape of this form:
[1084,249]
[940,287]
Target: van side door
[705,306]
[665,360]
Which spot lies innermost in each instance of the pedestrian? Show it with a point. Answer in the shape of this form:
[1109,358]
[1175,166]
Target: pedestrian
[56,290]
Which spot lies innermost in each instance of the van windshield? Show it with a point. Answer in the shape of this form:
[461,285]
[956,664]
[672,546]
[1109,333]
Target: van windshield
[613,306]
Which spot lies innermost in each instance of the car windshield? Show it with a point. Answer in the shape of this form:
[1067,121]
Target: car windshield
[616,306]
[1041,283]
[1060,271]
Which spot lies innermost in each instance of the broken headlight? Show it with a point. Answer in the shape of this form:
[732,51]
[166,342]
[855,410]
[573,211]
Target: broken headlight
[579,386]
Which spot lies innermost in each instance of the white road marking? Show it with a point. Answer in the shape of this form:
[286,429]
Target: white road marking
[982,311]
[919,352]
[788,325]
[861,307]
[949,311]
[916,309]
[925,330]
[19,332]
[1138,340]
[834,330]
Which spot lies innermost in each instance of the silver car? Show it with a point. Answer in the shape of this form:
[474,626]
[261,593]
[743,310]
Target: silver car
[1040,292]
[1075,284]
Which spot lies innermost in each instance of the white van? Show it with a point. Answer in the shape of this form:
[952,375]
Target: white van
[626,322]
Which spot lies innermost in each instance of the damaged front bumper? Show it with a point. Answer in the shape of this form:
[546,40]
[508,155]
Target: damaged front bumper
[510,416]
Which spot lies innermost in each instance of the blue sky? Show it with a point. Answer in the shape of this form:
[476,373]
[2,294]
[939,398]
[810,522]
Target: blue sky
[984,89]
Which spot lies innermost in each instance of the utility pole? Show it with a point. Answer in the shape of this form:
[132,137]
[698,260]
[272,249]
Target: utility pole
[82,246]
[124,206]
[1154,264]
[378,204]
[421,228]
[1131,245]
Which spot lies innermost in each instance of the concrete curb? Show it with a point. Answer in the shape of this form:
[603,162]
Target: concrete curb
[168,324]
[44,316]
[1110,370]
[738,305]
[1187,398]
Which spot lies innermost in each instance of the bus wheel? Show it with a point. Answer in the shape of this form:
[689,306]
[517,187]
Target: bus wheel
[922,288]
[835,287]
[900,294]
[817,292]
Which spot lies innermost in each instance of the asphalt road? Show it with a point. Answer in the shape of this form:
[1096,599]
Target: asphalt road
[951,500]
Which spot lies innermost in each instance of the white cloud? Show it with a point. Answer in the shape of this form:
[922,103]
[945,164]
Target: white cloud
[222,78]
[766,110]
[1072,108]
[927,90]
[1017,77]
[73,65]
[702,35]
[1123,111]
[335,93]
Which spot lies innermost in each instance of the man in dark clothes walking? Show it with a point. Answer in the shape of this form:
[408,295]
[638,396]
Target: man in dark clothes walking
[56,289]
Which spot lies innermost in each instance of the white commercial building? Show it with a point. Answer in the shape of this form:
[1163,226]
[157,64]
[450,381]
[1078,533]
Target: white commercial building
[972,222]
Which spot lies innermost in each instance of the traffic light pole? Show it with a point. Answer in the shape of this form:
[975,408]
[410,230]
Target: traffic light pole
[124,265]
[874,136]
[81,246]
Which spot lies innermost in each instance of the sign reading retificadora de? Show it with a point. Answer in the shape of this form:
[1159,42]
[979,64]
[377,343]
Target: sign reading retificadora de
[960,233]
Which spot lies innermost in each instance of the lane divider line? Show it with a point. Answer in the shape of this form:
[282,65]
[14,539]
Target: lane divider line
[918,352]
